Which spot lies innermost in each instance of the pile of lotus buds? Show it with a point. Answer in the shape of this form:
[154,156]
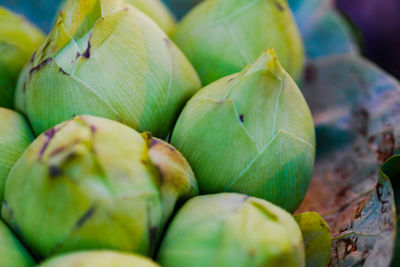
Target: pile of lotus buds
[128,139]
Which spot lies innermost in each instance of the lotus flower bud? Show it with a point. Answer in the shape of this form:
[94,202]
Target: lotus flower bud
[106,58]
[15,137]
[220,37]
[92,183]
[99,259]
[12,253]
[18,40]
[232,230]
[250,133]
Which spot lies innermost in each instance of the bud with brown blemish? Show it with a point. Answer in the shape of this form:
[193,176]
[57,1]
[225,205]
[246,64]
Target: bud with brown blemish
[106,58]
[232,230]
[15,137]
[221,37]
[252,133]
[18,40]
[102,258]
[93,183]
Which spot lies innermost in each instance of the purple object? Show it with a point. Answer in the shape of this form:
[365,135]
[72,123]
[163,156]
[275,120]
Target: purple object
[379,22]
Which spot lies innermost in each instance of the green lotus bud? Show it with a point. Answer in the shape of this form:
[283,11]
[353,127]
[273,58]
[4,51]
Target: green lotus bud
[15,137]
[12,253]
[99,259]
[106,58]
[232,230]
[18,40]
[93,183]
[220,37]
[250,133]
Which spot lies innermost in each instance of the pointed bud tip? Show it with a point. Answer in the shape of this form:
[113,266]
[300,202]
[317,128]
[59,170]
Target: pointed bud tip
[60,17]
[268,61]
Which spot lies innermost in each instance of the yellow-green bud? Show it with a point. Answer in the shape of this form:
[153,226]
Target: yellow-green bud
[93,183]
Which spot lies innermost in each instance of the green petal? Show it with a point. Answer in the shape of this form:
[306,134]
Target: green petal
[12,253]
[265,174]
[69,96]
[210,153]
[317,238]
[15,137]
